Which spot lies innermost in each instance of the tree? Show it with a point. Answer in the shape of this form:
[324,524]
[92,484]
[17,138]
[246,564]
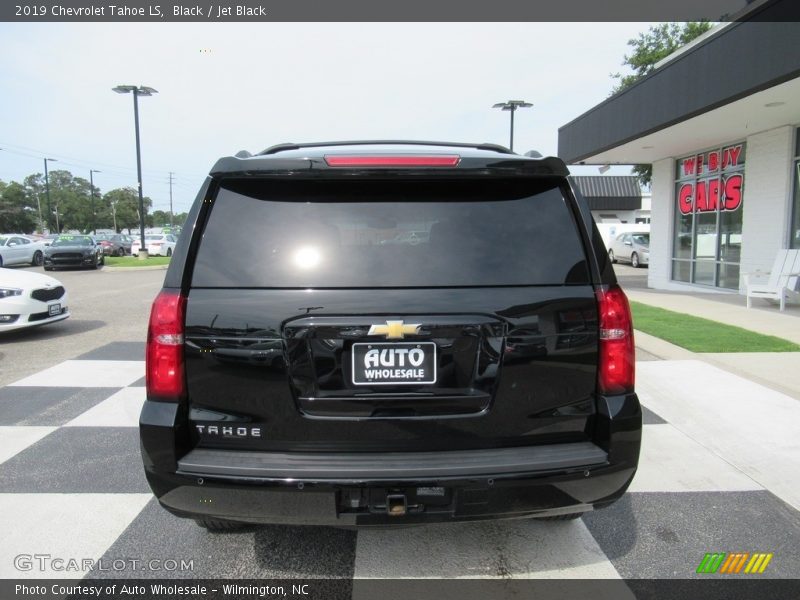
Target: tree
[648,49]
[160,218]
[16,212]
[124,203]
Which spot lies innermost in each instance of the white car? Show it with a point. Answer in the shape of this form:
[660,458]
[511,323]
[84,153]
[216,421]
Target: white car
[29,299]
[157,245]
[20,250]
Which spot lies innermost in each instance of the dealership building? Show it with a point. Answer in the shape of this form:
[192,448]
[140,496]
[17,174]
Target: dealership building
[719,122]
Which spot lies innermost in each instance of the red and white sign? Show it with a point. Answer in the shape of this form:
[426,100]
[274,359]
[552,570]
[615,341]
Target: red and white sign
[715,193]
[703,164]
[710,194]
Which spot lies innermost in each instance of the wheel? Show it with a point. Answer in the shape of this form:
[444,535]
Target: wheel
[169,252]
[1,261]
[567,517]
[635,260]
[38,259]
[121,251]
[611,256]
[218,525]
[103,259]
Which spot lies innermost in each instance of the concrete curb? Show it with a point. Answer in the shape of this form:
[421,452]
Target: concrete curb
[661,348]
[666,351]
[149,268]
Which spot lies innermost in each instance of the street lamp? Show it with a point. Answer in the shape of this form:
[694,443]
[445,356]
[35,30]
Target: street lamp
[138,91]
[91,187]
[512,106]
[47,189]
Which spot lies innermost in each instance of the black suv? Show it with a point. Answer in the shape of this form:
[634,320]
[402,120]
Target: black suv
[309,361]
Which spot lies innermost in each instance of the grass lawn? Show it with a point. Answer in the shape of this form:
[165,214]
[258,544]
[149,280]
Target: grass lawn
[702,335]
[133,261]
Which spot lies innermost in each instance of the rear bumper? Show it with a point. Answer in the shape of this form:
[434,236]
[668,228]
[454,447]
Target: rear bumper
[354,489]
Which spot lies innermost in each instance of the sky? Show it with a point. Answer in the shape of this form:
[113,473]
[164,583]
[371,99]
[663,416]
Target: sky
[225,87]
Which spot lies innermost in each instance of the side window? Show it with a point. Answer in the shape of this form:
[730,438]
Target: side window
[25,240]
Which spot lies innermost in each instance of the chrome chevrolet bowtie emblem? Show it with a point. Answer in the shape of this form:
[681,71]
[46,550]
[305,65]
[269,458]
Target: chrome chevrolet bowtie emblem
[394,330]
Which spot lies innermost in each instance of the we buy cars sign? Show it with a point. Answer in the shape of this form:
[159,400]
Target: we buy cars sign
[708,195]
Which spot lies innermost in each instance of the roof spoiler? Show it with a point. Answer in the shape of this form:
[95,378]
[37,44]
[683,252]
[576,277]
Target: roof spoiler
[291,146]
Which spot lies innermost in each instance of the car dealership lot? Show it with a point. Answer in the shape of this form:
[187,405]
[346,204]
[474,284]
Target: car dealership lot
[714,475]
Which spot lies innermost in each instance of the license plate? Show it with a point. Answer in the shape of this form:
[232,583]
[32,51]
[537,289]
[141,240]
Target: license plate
[55,309]
[401,363]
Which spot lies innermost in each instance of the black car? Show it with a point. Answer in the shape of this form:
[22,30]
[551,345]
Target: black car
[114,244]
[312,375]
[73,251]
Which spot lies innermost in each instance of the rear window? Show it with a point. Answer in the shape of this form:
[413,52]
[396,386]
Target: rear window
[409,233]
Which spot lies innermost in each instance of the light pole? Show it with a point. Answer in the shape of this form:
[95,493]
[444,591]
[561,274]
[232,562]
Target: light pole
[512,106]
[47,189]
[138,91]
[91,187]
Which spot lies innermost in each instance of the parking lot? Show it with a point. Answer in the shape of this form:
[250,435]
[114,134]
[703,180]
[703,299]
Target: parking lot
[715,474]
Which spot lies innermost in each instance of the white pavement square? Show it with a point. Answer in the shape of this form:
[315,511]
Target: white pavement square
[748,425]
[519,548]
[120,410]
[87,373]
[80,526]
[671,461]
[15,439]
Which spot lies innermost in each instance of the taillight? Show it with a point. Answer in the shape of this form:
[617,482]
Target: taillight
[616,369]
[435,160]
[164,356]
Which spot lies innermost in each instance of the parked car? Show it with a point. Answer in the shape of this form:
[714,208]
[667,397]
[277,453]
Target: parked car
[157,245]
[48,238]
[73,251]
[632,247]
[18,249]
[394,403]
[114,244]
[29,299]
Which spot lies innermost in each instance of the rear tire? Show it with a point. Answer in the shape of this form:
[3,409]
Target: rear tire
[635,260]
[38,259]
[169,252]
[121,252]
[611,256]
[218,525]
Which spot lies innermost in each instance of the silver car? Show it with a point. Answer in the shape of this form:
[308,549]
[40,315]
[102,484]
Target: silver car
[632,247]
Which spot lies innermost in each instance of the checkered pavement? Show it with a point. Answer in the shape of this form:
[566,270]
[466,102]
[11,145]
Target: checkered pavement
[718,472]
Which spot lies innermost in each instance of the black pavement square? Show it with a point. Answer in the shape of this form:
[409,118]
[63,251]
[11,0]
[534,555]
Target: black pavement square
[48,405]
[666,535]
[269,551]
[651,418]
[78,460]
[116,351]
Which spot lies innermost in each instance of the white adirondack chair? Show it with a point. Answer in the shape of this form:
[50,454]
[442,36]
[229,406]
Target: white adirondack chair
[781,283]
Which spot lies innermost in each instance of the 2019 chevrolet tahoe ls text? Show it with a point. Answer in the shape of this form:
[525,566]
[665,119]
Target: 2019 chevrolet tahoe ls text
[322,370]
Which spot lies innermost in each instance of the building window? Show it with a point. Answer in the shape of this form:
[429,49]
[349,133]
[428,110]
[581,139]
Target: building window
[794,233]
[709,188]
